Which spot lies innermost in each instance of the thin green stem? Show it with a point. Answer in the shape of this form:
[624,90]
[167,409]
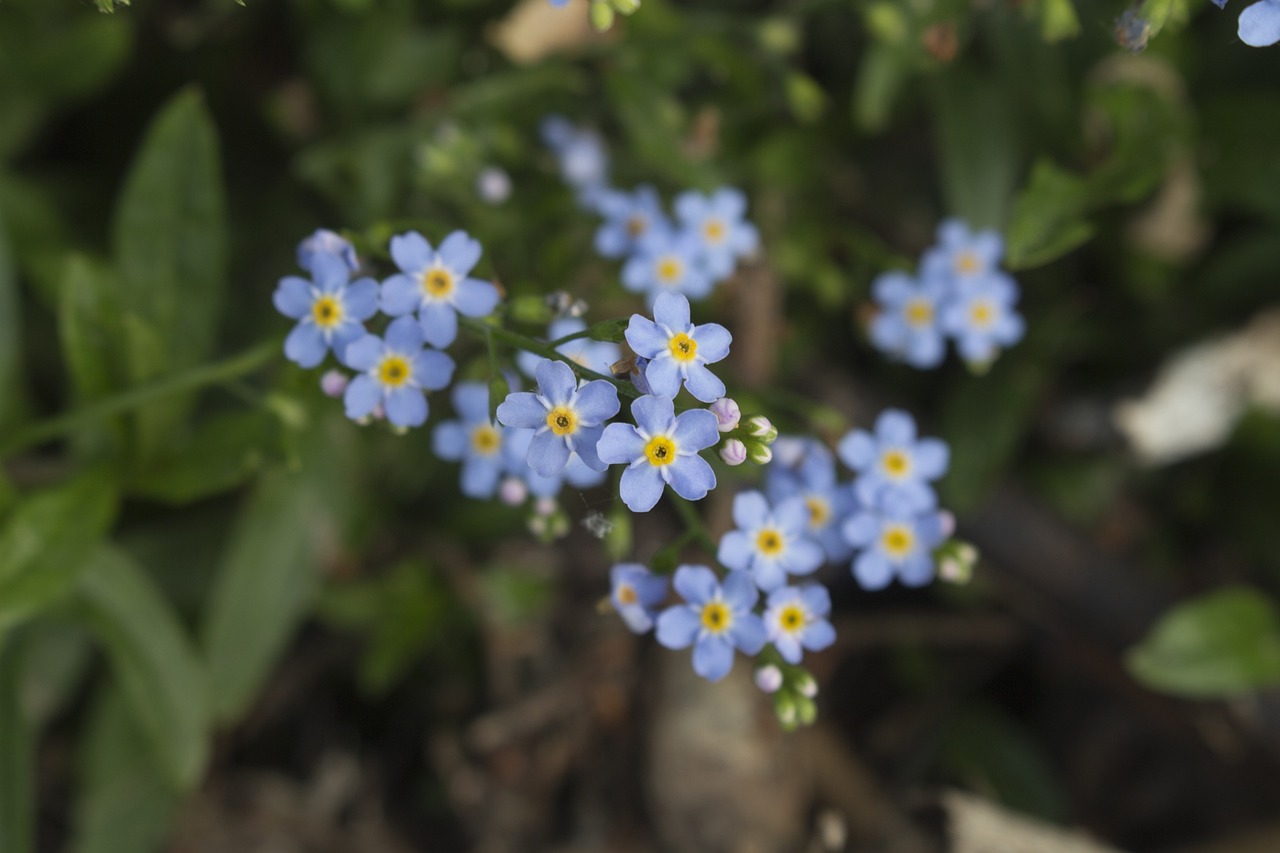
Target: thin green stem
[693,523]
[558,342]
[197,377]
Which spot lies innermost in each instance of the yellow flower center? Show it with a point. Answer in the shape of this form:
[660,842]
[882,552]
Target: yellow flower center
[627,594]
[769,542]
[713,230]
[919,312]
[982,313]
[716,617]
[669,269]
[394,371]
[327,312]
[437,283]
[562,420]
[791,618]
[896,464]
[636,226]
[897,540]
[660,450]
[683,347]
[967,263]
[819,512]
[485,440]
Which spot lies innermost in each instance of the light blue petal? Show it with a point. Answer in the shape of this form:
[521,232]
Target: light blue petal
[404,336]
[696,429]
[451,440]
[329,271]
[713,342]
[861,530]
[690,207]
[364,353]
[671,310]
[872,570]
[803,556]
[750,510]
[740,592]
[691,477]
[925,349]
[1260,24]
[917,569]
[411,252]
[619,444]
[678,627]
[597,401]
[635,274]
[792,516]
[643,336]
[578,475]
[636,618]
[858,450]
[713,657]
[459,253]
[612,240]
[788,647]
[399,295]
[817,636]
[654,415]
[344,336]
[748,633]
[895,427]
[931,457]
[584,443]
[703,384]
[816,599]
[292,297]
[475,298]
[663,375]
[480,477]
[729,202]
[305,345]
[1010,328]
[362,397]
[768,574]
[361,299]
[471,402]
[736,550]
[548,454]
[640,486]
[439,324]
[406,407]
[556,382]
[696,584]
[522,409]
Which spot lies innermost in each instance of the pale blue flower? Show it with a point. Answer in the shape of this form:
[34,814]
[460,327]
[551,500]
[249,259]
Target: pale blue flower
[718,222]
[1259,24]
[796,619]
[326,242]
[661,449]
[961,254]
[769,543]
[679,351]
[395,371]
[436,284]
[667,262]
[804,469]
[715,620]
[473,440]
[628,216]
[907,325]
[894,461]
[894,540]
[981,317]
[330,312]
[596,356]
[566,419]
[636,593]
[581,156]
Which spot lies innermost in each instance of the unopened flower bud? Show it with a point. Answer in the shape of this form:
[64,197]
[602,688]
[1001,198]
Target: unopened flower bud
[806,686]
[513,491]
[785,707]
[760,454]
[493,185]
[727,414]
[760,427]
[733,452]
[601,15]
[546,506]
[334,383]
[948,521]
[769,678]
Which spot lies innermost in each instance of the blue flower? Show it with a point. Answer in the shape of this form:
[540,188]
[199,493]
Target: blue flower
[565,418]
[396,371]
[661,449]
[575,473]
[636,594]
[895,540]
[679,351]
[1259,24]
[718,221]
[598,356]
[804,468]
[326,242]
[328,310]
[628,217]
[435,284]
[907,325]
[715,620]
[583,160]
[769,544]
[982,319]
[473,440]
[893,461]
[796,619]
[961,254]
[667,261]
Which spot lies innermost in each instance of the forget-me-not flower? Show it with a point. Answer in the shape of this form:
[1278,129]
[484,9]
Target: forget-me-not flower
[715,620]
[661,449]
[960,253]
[981,317]
[575,473]
[628,216]
[597,356]
[473,440]
[1259,25]
[796,619]
[667,261]
[718,221]
[330,312]
[565,418]
[894,539]
[636,593]
[907,325]
[804,468]
[395,372]
[581,155]
[679,351]
[893,460]
[326,242]
[769,544]
[435,283]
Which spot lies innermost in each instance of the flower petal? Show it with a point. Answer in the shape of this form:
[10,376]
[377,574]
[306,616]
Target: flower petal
[702,383]
[406,407]
[584,442]
[671,310]
[361,299]
[713,657]
[736,550]
[523,409]
[450,441]
[696,584]
[364,353]
[439,324]
[1259,24]
[896,427]
[739,591]
[696,429]
[872,570]
[362,397]
[817,636]
[399,295]
[292,297]
[643,336]
[930,458]
[475,298]
[411,252]
[433,370]
[597,401]
[459,252]
[471,402]
[691,477]
[748,633]
[556,382]
[305,345]
[480,477]
[548,453]
[678,627]
[653,414]
[858,450]
[404,336]
[663,375]
[640,486]
[619,444]
[803,556]
[713,342]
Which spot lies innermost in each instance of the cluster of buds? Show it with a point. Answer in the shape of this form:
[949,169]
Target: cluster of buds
[750,440]
[793,690]
[603,12]
[956,560]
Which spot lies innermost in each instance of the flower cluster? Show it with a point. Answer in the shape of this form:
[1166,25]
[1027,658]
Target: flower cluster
[959,293]
[1259,24]
[689,253]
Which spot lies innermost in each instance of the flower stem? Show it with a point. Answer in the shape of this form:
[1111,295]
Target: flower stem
[131,398]
[693,523]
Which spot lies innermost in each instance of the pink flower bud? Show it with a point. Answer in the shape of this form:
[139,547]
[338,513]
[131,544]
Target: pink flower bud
[769,678]
[513,491]
[948,520]
[334,383]
[727,413]
[733,452]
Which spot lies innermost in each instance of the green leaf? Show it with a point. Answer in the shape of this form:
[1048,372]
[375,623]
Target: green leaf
[47,541]
[1048,217]
[17,761]
[978,144]
[1058,20]
[89,330]
[1223,644]
[882,75]
[12,399]
[223,453]
[125,804]
[55,657]
[160,675]
[170,245]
